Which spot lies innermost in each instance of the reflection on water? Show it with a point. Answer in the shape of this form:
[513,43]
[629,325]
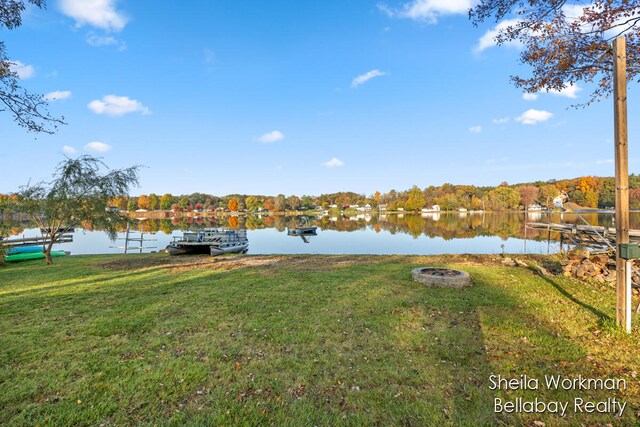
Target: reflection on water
[427,233]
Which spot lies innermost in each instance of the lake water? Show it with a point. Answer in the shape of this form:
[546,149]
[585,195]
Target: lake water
[427,234]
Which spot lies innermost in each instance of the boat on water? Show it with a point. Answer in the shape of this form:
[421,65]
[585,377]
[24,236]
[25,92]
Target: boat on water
[212,241]
[303,229]
[27,256]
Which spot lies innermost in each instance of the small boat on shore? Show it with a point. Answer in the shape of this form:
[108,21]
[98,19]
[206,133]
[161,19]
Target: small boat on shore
[23,250]
[27,256]
[212,241]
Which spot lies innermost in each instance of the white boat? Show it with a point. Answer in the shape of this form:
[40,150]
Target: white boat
[213,241]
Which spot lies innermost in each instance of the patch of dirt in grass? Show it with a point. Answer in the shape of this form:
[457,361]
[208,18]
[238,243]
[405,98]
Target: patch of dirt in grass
[224,263]
[461,259]
[302,263]
[319,263]
[134,263]
[192,262]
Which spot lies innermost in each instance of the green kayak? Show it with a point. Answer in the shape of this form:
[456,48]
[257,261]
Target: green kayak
[32,255]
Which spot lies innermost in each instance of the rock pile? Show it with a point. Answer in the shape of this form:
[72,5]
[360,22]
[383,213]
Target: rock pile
[599,267]
[580,263]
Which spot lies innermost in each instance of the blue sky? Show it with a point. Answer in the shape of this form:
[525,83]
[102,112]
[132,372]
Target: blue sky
[296,98]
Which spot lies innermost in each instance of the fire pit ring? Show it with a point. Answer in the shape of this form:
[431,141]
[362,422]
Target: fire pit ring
[440,277]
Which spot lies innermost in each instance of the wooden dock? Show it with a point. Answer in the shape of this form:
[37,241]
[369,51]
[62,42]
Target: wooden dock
[587,235]
[35,241]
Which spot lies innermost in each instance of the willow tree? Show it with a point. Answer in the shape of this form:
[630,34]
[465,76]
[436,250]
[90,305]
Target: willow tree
[564,42]
[78,194]
[28,109]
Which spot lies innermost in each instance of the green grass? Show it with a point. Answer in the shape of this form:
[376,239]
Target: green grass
[296,340]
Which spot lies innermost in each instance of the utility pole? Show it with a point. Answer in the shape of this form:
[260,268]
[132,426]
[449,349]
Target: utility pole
[623,267]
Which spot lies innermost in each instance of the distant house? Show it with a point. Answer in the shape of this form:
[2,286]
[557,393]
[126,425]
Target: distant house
[534,207]
[382,207]
[141,210]
[434,208]
[463,210]
[334,206]
[367,207]
[112,209]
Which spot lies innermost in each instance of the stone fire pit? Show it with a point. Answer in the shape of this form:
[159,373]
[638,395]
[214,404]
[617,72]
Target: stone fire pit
[440,277]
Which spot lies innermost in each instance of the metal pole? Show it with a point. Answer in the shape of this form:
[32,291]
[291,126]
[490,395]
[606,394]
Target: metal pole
[627,295]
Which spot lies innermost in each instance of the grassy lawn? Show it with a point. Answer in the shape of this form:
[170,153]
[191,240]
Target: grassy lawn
[298,340]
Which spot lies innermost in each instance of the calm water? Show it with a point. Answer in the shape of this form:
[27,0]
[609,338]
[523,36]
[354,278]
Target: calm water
[483,233]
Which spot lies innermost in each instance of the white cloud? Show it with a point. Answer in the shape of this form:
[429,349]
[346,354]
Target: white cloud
[429,10]
[23,70]
[57,95]
[271,137]
[97,13]
[604,162]
[501,120]
[68,150]
[97,147]
[475,129]
[488,39]
[98,41]
[532,117]
[113,105]
[574,11]
[366,77]
[333,163]
[571,91]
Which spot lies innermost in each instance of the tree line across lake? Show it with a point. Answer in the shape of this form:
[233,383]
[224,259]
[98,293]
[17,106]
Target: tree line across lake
[587,191]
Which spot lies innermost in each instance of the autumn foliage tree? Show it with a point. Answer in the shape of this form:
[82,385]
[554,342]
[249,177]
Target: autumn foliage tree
[268,205]
[416,199]
[503,198]
[563,42]
[233,205]
[166,201]
[144,202]
[253,203]
[528,194]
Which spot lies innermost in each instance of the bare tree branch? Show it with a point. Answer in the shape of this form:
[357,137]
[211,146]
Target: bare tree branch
[29,110]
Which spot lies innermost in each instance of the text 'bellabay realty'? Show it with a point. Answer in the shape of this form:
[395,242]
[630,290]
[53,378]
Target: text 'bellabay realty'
[611,405]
